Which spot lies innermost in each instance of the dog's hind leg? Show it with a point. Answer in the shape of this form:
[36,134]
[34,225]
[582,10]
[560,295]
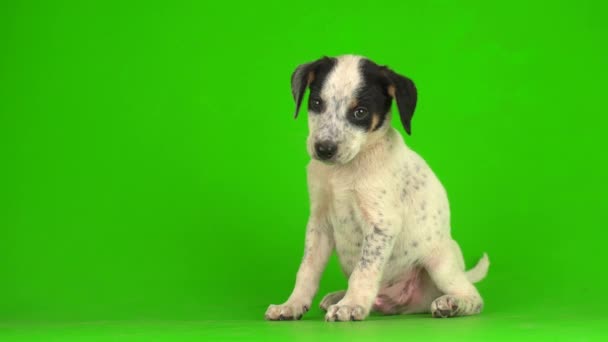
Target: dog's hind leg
[331,299]
[460,297]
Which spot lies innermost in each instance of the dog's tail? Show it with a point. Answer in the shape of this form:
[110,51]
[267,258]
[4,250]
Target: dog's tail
[480,270]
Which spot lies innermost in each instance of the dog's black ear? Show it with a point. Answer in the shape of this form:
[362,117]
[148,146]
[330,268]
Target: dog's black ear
[302,77]
[403,90]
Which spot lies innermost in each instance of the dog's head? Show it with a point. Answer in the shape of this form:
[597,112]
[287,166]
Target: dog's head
[350,99]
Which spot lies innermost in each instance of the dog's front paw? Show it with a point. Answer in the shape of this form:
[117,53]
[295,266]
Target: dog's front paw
[344,312]
[286,312]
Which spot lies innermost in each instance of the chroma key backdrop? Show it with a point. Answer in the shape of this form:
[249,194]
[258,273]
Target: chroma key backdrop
[153,184]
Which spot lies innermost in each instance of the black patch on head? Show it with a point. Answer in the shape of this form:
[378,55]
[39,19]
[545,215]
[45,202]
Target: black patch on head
[311,75]
[375,95]
[317,85]
[372,94]
[380,84]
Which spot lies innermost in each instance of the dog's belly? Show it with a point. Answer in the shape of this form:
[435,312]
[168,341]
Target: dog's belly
[400,295]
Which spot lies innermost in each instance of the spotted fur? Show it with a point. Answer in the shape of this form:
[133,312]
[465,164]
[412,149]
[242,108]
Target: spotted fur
[376,203]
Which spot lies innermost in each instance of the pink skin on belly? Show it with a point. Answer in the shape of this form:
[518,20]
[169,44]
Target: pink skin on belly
[395,298]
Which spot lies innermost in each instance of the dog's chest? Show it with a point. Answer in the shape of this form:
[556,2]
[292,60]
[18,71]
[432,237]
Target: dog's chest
[348,229]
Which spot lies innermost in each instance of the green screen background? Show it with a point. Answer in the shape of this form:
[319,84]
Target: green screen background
[151,169]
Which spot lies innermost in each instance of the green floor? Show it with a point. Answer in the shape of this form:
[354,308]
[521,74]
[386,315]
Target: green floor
[549,323]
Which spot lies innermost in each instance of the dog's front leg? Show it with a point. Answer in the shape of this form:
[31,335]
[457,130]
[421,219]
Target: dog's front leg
[364,281]
[319,245]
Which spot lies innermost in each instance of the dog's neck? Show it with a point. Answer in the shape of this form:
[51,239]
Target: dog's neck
[376,148]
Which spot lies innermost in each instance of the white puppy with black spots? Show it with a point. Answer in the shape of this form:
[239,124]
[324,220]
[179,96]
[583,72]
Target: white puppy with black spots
[375,201]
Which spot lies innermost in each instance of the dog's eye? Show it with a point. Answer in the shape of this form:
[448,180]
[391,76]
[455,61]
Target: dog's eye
[315,104]
[360,113]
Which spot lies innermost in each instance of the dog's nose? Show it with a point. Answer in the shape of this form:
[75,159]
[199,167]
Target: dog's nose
[326,149]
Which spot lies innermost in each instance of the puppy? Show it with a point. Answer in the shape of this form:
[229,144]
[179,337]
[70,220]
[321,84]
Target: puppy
[374,201]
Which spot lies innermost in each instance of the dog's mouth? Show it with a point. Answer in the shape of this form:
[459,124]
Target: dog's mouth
[328,162]
[338,159]
[325,160]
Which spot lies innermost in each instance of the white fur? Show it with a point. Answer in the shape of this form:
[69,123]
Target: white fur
[385,213]
[338,93]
